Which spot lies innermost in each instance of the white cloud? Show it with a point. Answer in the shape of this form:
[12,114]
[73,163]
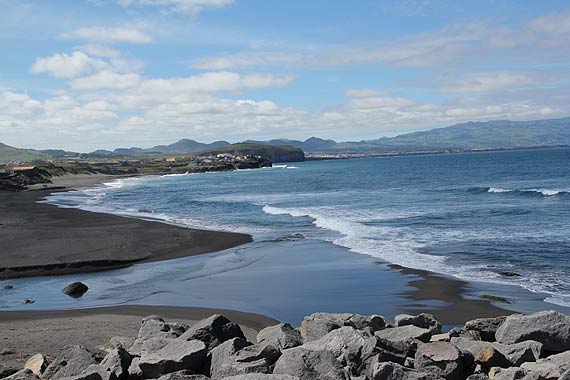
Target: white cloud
[105,80]
[489,81]
[361,92]
[108,34]
[61,65]
[184,6]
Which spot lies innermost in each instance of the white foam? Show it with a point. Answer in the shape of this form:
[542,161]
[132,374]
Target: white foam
[498,190]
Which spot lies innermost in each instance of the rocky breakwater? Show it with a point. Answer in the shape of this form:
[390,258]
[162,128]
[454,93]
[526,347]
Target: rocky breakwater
[325,346]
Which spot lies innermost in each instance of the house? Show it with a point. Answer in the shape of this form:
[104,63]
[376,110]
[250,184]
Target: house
[10,169]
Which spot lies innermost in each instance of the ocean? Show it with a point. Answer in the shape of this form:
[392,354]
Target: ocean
[471,216]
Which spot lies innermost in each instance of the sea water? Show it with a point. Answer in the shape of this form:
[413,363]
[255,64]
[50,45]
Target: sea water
[471,215]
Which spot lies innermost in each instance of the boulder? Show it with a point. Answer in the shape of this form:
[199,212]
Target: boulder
[75,289]
[7,370]
[37,364]
[91,374]
[310,365]
[282,336]
[513,354]
[551,367]
[70,361]
[402,333]
[177,355]
[486,327]
[258,358]
[115,366]
[318,325]
[550,328]
[513,373]
[440,337]
[213,331]
[565,375]
[116,342]
[155,327]
[8,287]
[423,320]
[261,376]
[478,376]
[393,371]
[351,347]
[391,351]
[221,354]
[24,374]
[460,332]
[183,375]
[443,359]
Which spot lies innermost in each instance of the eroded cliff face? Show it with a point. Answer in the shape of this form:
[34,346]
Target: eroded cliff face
[271,153]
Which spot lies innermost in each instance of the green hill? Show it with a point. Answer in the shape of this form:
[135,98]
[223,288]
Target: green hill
[10,154]
[270,152]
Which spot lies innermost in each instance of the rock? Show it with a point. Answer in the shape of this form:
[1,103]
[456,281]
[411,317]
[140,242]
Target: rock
[440,337]
[258,358]
[91,374]
[409,363]
[135,371]
[213,331]
[389,351]
[393,371]
[565,375]
[261,376]
[177,355]
[75,289]
[309,365]
[318,325]
[24,374]
[509,274]
[6,371]
[8,287]
[116,342]
[27,301]
[443,359]
[514,354]
[459,332]
[478,376]
[221,354]
[551,367]
[183,375]
[282,336]
[6,351]
[550,328]
[487,327]
[70,361]
[513,373]
[423,320]
[115,366]
[155,327]
[346,343]
[37,364]
[402,333]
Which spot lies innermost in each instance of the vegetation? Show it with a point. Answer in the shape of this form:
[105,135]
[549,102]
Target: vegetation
[494,298]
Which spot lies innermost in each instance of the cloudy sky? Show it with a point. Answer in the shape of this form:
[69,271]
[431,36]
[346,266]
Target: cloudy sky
[89,74]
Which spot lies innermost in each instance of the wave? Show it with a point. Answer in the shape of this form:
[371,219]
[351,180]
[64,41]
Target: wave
[285,167]
[521,192]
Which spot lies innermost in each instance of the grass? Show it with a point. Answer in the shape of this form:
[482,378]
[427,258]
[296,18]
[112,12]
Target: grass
[494,298]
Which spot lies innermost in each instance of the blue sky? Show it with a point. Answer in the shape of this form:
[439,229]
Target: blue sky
[90,74]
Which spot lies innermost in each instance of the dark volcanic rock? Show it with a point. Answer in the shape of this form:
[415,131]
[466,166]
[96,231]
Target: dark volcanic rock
[258,358]
[8,287]
[487,327]
[400,334]
[442,359]
[310,365]
[76,289]
[183,375]
[177,355]
[393,371]
[24,374]
[222,354]
[423,320]
[281,336]
[213,331]
[318,325]
[550,328]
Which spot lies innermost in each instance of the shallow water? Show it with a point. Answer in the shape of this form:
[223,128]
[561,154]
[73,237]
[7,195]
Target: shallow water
[466,215]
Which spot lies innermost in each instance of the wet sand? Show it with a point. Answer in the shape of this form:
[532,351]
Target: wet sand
[41,239]
[26,333]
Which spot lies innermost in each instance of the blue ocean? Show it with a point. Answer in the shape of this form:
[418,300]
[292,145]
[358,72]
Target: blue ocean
[471,216]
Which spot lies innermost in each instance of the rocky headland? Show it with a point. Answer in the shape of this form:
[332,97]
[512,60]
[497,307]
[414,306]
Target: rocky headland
[325,346]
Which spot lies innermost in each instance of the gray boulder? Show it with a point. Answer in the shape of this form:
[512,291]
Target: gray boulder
[115,366]
[155,327]
[310,365]
[513,373]
[76,289]
[318,325]
[393,371]
[24,374]
[550,328]
[70,361]
[177,355]
[222,353]
[514,354]
[91,374]
[442,359]
[486,327]
[423,320]
[478,376]
[399,334]
[565,375]
[183,375]
[7,370]
[551,367]
[281,336]
[258,358]
[261,376]
[213,331]
[460,332]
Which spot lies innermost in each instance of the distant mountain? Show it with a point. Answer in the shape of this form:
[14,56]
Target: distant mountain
[10,154]
[270,152]
[471,135]
[183,146]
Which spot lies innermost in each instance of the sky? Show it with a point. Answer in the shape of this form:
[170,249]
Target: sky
[100,74]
